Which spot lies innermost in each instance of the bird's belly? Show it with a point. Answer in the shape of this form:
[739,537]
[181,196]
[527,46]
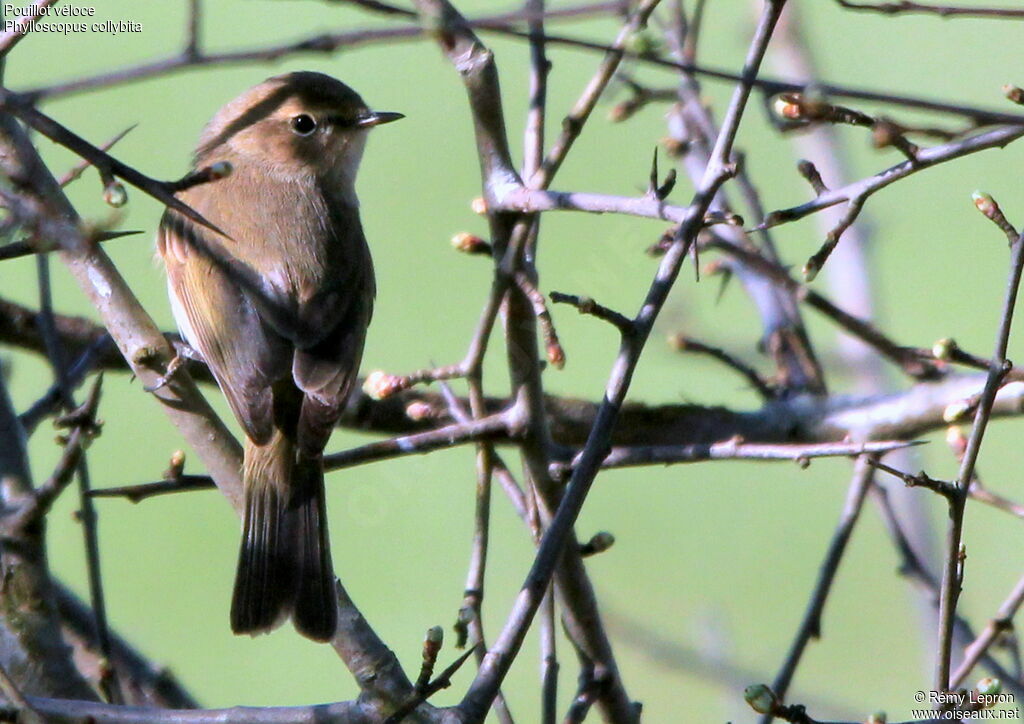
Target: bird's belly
[180,316]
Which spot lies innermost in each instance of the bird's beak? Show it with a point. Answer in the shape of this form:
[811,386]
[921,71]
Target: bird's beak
[376,118]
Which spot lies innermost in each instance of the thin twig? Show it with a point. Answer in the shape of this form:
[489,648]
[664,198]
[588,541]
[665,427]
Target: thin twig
[443,681]
[573,123]
[639,455]
[784,333]
[859,191]
[195,16]
[914,569]
[1001,624]
[533,159]
[549,666]
[553,347]
[921,480]
[950,587]
[471,614]
[540,66]
[810,625]
[79,168]
[688,344]
[945,11]
[76,373]
[109,683]
[499,658]
[441,438]
[586,305]
[83,430]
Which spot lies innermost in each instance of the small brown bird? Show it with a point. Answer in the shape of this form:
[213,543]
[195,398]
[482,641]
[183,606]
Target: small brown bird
[280,315]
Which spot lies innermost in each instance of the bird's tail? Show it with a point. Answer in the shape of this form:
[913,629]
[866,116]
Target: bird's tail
[284,566]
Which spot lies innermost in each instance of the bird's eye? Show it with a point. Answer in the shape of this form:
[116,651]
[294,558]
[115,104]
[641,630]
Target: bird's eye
[303,124]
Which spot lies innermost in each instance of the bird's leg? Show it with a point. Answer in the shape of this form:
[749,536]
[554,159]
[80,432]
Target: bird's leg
[183,352]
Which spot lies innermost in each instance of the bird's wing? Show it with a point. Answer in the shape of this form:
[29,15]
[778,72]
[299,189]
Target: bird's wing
[325,367]
[336,307]
[219,321]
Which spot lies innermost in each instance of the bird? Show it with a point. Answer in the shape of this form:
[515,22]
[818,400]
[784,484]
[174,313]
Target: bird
[275,294]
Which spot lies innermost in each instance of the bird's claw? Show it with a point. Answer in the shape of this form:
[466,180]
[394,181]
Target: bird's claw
[182,353]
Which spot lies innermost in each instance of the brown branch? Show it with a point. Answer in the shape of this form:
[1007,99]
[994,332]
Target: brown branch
[443,681]
[45,495]
[552,346]
[920,480]
[903,414]
[586,305]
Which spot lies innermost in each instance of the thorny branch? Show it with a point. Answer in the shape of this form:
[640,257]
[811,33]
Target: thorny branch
[499,658]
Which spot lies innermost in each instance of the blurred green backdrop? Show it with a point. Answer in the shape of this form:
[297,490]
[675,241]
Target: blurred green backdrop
[717,558]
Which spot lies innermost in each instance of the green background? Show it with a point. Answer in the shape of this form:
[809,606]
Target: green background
[715,559]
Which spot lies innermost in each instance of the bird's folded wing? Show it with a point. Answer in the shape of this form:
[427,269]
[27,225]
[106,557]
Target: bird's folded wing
[221,323]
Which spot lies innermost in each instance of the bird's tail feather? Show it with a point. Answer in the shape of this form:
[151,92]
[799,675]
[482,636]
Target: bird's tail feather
[284,565]
[315,612]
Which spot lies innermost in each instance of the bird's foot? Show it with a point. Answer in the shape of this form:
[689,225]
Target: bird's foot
[182,353]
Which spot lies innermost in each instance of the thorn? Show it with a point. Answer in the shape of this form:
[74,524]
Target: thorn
[652,185]
[666,187]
